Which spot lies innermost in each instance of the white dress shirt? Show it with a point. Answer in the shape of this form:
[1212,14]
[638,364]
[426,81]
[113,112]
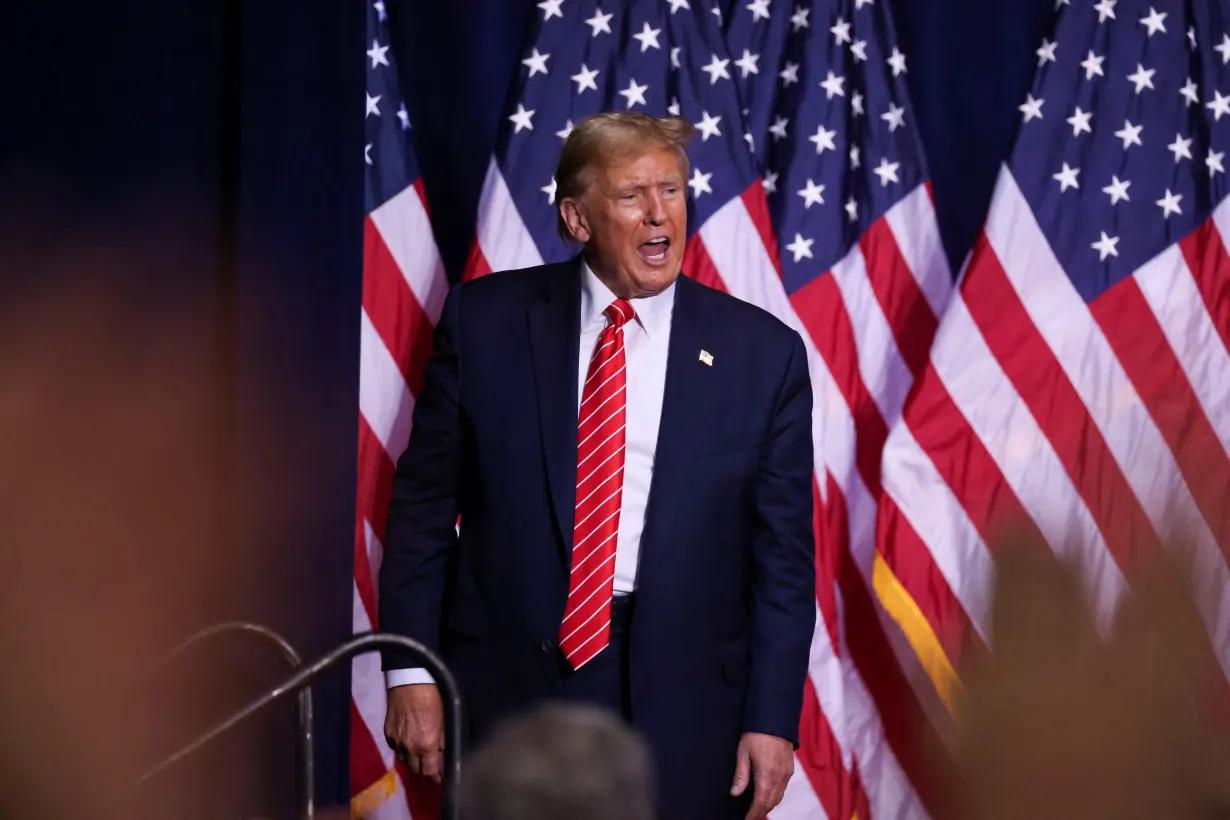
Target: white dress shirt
[646,342]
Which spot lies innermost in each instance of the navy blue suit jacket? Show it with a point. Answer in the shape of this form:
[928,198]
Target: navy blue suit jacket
[725,610]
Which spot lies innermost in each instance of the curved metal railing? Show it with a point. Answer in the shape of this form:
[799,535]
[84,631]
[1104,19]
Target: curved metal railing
[307,751]
[450,695]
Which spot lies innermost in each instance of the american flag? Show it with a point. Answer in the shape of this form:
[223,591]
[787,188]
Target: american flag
[1079,383]
[404,286]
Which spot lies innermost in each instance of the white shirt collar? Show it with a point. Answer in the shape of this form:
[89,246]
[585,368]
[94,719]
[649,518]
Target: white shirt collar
[652,312]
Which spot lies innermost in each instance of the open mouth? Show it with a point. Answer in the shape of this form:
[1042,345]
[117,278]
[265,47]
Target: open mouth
[655,251]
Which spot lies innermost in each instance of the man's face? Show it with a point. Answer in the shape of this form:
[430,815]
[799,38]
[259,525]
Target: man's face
[633,219]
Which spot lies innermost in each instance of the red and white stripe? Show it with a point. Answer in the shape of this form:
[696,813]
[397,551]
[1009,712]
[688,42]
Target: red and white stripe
[867,327]
[404,286]
[502,241]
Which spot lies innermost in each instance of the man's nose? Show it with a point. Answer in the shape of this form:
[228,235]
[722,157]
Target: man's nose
[655,213]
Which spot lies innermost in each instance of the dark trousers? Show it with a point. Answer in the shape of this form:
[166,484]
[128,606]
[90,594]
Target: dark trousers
[604,682]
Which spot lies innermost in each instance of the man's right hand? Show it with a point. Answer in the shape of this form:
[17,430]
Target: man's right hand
[414,728]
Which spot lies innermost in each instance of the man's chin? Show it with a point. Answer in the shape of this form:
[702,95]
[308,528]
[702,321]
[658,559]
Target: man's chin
[657,278]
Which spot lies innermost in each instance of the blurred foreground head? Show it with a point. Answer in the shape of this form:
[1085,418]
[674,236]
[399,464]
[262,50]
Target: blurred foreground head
[1062,723]
[559,762]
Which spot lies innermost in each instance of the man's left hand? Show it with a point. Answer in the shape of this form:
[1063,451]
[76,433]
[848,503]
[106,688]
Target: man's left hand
[770,760]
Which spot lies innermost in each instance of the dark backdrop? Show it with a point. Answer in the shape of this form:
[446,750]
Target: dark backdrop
[111,109]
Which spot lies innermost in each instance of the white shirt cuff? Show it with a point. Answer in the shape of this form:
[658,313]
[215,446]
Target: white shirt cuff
[405,677]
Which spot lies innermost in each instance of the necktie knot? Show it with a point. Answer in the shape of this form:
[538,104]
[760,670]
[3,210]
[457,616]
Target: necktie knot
[619,312]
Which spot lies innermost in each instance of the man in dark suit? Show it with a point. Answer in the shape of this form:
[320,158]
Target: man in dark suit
[630,455]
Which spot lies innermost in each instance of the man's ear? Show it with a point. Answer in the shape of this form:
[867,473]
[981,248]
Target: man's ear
[574,217]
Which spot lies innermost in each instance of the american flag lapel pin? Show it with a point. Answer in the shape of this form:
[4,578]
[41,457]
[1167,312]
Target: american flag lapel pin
[706,358]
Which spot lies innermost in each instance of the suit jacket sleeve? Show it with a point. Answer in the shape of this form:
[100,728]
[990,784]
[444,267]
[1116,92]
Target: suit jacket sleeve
[783,560]
[425,500]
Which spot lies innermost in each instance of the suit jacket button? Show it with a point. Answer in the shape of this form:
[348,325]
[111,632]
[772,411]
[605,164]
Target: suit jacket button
[546,647]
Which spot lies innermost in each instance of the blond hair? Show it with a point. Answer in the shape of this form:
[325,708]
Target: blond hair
[613,135]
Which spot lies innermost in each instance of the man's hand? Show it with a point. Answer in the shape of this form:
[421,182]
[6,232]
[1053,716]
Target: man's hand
[771,760]
[414,728]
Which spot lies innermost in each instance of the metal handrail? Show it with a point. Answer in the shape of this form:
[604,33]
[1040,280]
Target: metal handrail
[307,750]
[444,679]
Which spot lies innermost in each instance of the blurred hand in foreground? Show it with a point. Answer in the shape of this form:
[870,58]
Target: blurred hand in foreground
[1058,722]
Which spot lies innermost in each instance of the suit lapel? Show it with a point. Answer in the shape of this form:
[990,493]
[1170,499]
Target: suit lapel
[554,325]
[687,383]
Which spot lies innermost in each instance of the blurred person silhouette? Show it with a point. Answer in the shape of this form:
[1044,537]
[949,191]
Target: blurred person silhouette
[1059,721]
[114,536]
[559,762]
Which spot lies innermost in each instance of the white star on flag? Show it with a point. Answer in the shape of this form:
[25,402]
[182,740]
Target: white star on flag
[522,118]
[800,247]
[648,38]
[537,63]
[1170,204]
[551,8]
[813,194]
[1080,121]
[887,171]
[634,94]
[1106,246]
[377,53]
[699,183]
[1031,108]
[1067,178]
[833,85]
[600,23]
[1117,190]
[823,138]
[717,70]
[586,78]
[708,126]
[1093,66]
[895,117]
[1130,134]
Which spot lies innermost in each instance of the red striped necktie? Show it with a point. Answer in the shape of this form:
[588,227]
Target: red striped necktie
[586,628]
